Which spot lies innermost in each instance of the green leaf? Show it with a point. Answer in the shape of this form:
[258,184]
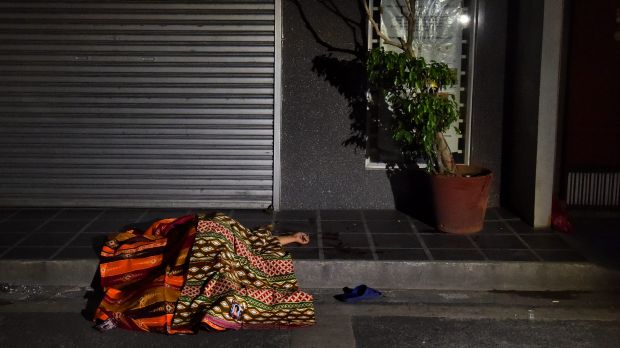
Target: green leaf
[411,86]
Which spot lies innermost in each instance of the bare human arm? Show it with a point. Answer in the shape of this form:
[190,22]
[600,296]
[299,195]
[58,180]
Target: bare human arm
[297,237]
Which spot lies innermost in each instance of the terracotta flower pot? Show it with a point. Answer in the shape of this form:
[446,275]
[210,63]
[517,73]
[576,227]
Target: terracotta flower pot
[460,201]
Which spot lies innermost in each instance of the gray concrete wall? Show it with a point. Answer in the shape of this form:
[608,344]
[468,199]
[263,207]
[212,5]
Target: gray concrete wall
[322,83]
[318,171]
[488,90]
[521,123]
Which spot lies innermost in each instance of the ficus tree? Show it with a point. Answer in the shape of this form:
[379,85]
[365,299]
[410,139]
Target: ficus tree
[414,90]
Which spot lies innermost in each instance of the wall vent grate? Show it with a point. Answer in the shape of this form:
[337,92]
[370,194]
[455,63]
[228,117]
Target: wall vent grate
[593,189]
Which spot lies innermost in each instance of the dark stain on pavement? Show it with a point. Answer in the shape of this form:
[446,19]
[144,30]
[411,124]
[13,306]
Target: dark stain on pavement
[552,295]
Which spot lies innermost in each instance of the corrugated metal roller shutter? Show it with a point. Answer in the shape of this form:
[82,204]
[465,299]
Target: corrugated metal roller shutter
[145,103]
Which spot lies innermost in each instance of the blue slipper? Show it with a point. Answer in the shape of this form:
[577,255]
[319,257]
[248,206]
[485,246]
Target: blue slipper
[359,293]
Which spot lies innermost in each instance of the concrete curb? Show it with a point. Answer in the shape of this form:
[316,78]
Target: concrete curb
[448,275]
[43,272]
[422,275]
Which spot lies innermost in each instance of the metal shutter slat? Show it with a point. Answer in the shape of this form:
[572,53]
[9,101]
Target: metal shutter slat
[135,103]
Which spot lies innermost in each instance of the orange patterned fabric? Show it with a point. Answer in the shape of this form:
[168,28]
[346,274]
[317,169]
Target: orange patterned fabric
[145,279]
[239,278]
[142,274]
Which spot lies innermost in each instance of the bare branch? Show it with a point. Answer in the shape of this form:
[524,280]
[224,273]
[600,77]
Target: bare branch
[401,7]
[411,5]
[406,13]
[316,36]
[378,31]
[403,42]
[444,154]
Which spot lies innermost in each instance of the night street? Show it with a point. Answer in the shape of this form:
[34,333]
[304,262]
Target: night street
[50,317]
[309,173]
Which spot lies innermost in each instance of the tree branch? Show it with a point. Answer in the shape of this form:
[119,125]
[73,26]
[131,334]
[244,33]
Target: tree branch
[378,31]
[316,36]
[411,5]
[444,154]
[408,3]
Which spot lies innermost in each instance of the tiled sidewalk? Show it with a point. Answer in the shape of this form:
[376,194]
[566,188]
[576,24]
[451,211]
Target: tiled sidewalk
[335,234]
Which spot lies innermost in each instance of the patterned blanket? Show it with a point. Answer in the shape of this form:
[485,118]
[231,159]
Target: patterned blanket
[191,272]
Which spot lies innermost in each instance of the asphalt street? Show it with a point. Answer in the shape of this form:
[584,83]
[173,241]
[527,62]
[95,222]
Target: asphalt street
[52,317]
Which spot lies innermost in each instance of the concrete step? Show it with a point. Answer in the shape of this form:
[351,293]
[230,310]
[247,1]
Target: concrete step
[565,305]
[448,275]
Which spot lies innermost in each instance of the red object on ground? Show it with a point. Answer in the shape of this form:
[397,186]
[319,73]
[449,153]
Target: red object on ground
[559,216]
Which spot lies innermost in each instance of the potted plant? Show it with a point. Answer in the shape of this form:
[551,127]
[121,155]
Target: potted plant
[422,110]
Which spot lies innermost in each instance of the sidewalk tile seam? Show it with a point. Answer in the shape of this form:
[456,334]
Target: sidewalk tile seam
[8,250]
[8,217]
[370,238]
[319,235]
[476,247]
[368,248]
[523,241]
[421,240]
[568,250]
[77,234]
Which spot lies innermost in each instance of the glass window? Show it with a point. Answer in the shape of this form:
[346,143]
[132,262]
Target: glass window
[442,34]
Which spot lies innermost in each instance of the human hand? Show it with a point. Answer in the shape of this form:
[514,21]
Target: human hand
[301,238]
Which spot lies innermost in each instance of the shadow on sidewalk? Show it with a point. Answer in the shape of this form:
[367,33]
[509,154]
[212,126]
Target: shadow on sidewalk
[597,235]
